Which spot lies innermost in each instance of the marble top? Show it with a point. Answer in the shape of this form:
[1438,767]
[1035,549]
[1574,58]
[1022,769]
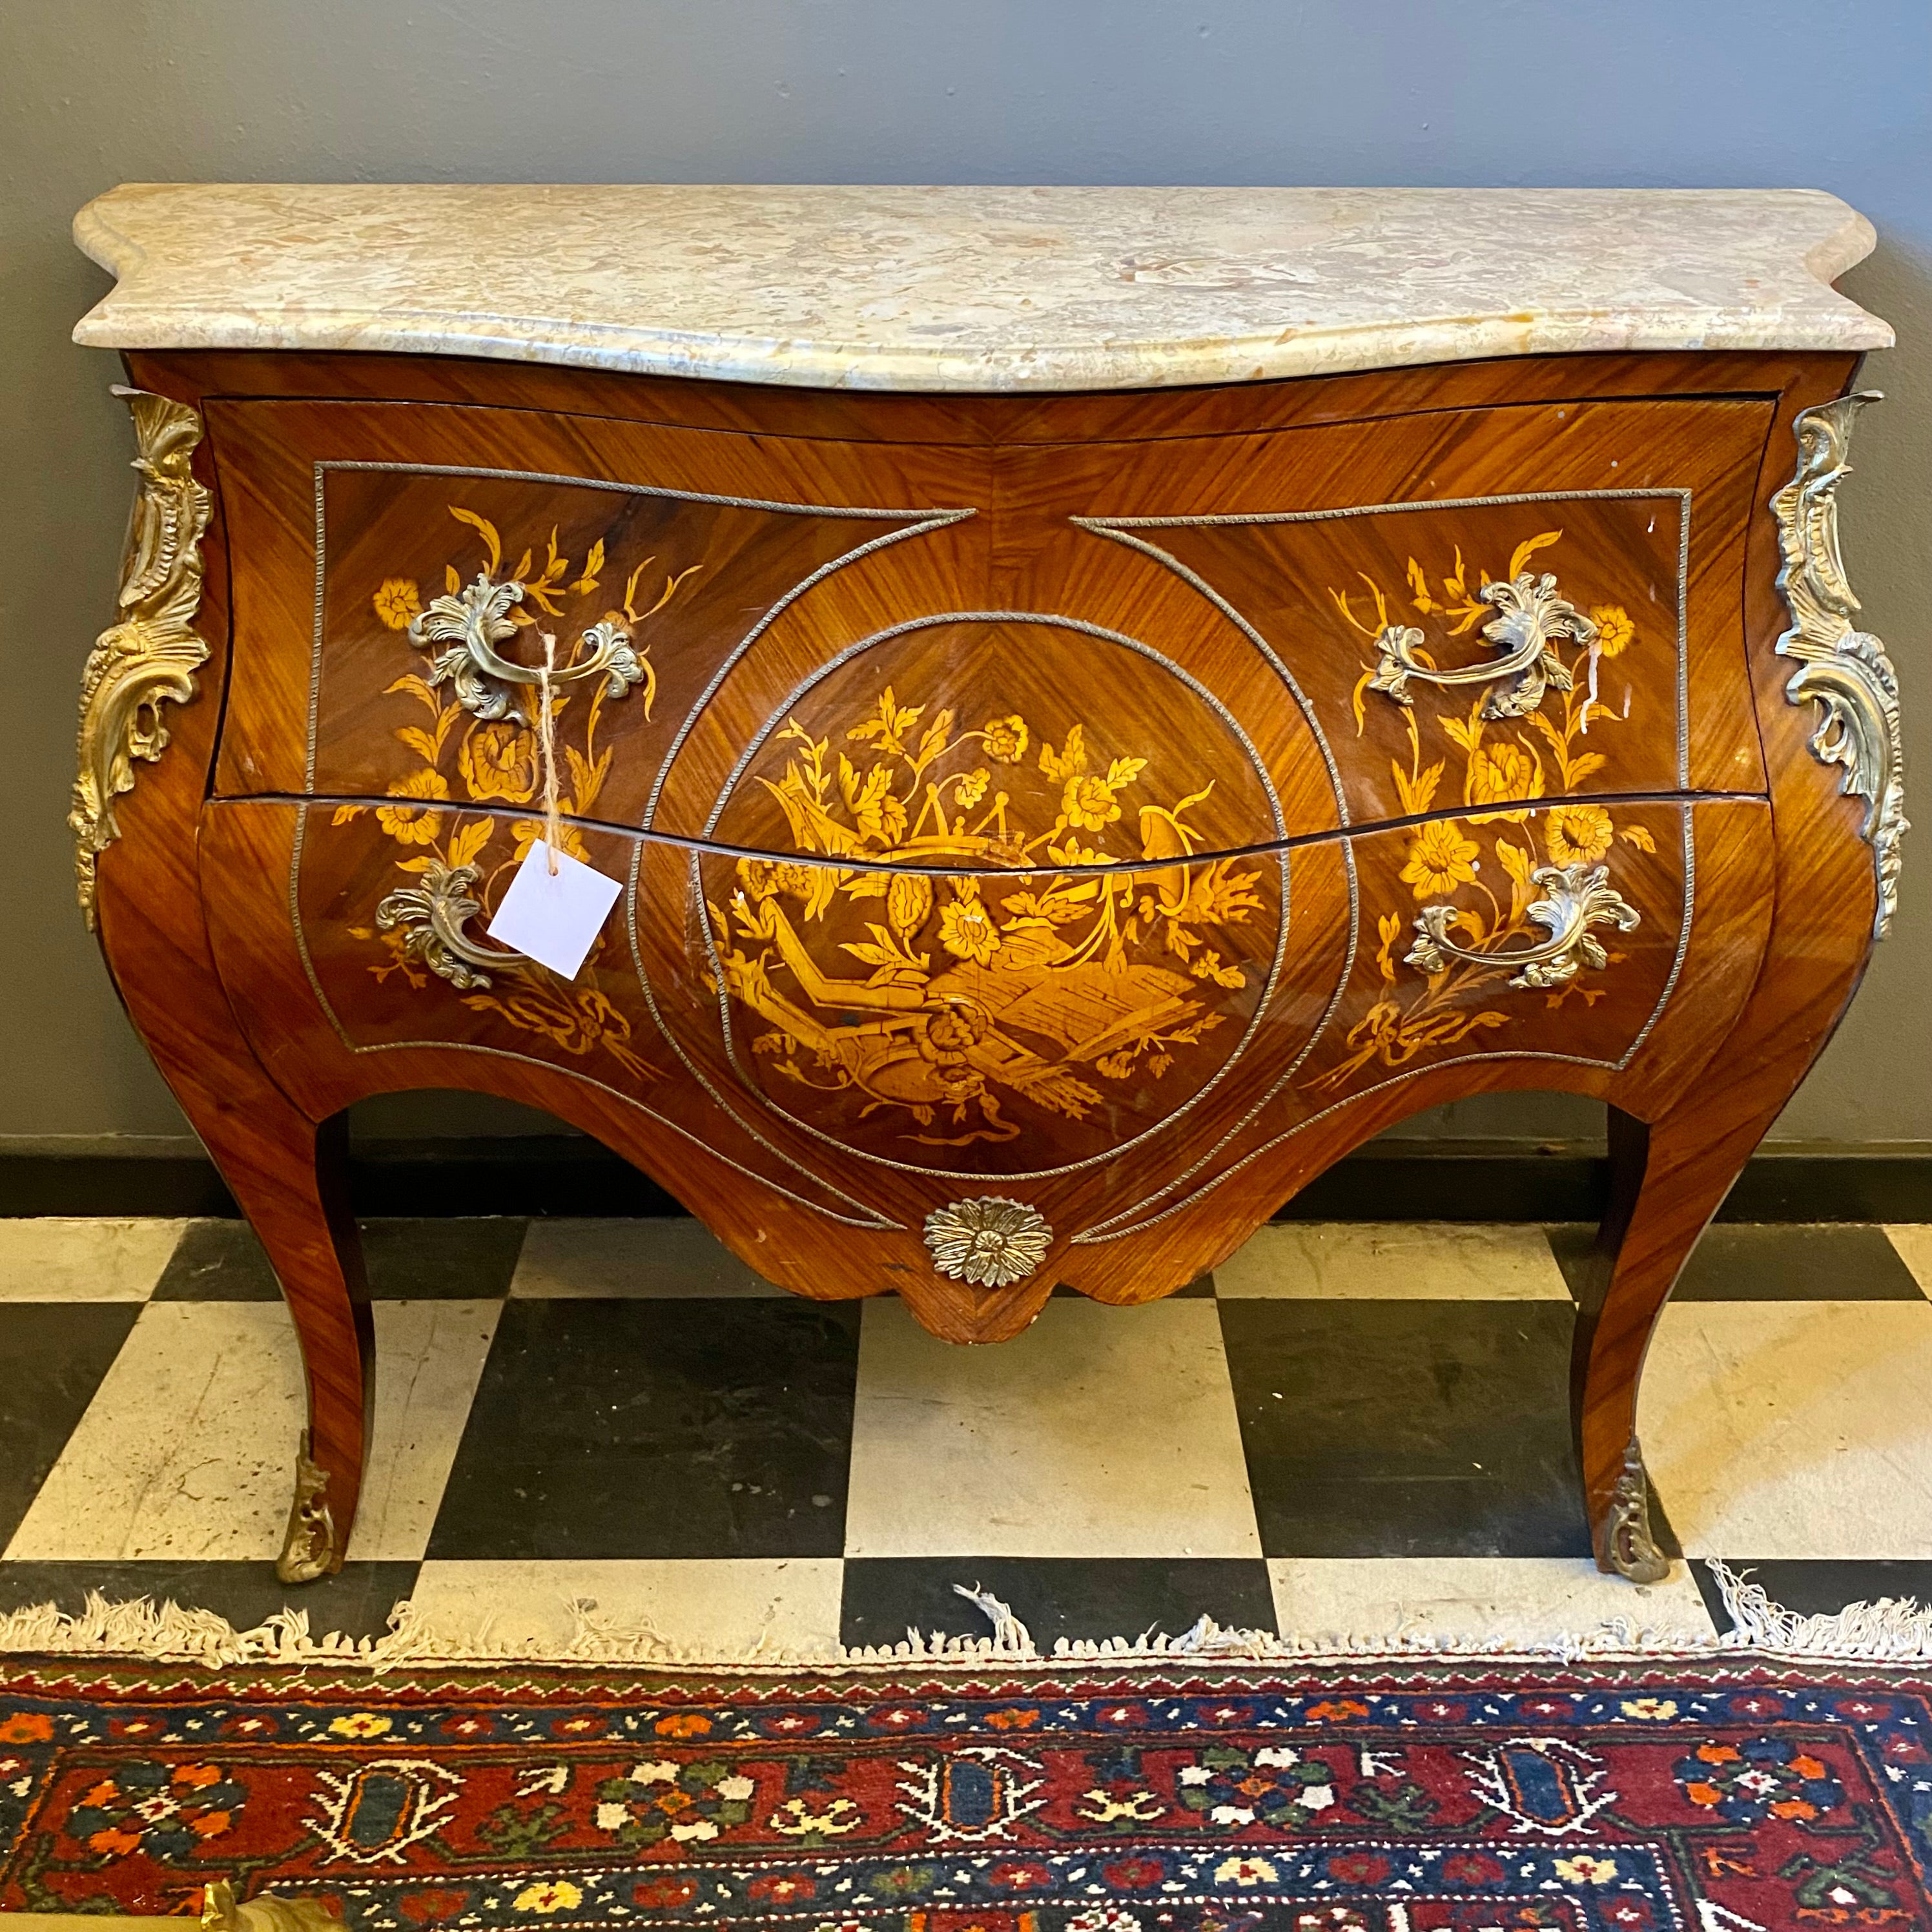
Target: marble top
[973,289]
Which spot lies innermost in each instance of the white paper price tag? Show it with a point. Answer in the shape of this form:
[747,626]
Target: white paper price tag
[556,920]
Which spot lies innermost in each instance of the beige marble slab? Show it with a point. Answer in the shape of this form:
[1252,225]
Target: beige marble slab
[187,1450]
[1100,1432]
[973,289]
[1793,1429]
[1396,1260]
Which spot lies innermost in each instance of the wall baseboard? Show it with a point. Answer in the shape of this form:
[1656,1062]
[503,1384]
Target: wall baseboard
[559,1174]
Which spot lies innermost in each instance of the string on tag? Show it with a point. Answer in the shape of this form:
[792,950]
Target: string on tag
[547,750]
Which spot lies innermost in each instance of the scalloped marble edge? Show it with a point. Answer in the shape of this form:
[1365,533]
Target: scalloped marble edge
[1039,289]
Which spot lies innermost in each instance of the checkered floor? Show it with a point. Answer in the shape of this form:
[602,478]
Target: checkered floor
[1347,1429]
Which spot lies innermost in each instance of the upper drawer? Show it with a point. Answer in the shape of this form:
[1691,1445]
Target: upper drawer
[387,652]
[1476,607]
[947,656]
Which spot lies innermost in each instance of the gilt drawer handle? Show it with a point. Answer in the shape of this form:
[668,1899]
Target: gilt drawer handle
[474,622]
[432,915]
[1529,616]
[1575,898]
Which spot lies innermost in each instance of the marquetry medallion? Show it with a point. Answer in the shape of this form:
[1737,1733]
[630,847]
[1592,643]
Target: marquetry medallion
[1012,917]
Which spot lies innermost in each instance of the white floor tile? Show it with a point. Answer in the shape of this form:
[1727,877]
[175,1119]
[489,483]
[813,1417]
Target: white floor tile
[1100,1432]
[53,1258]
[1392,1261]
[737,1608]
[429,1358]
[1511,1599]
[1913,1240]
[1793,1429]
[666,1259]
[187,1450]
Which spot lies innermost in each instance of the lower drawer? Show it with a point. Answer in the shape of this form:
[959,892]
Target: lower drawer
[1140,1061]
[1014,1025]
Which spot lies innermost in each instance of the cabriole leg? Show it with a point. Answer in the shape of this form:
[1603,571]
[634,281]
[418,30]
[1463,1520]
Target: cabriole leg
[1668,1178]
[289,1176]
[291,1179]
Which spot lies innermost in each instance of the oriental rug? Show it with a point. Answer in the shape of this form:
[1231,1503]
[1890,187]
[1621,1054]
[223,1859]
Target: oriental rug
[1711,1794]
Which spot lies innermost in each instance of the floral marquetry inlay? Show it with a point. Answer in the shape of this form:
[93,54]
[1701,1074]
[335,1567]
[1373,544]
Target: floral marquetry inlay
[1509,899]
[957,1008]
[479,746]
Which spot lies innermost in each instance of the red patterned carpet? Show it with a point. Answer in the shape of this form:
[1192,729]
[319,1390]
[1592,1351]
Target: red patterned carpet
[1710,1797]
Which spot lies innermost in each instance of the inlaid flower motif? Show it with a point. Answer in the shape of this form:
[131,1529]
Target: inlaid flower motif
[1501,773]
[397,602]
[968,790]
[968,930]
[499,760]
[526,831]
[411,824]
[1615,628]
[988,1241]
[1578,835]
[1089,803]
[1440,858]
[908,902]
[1006,739]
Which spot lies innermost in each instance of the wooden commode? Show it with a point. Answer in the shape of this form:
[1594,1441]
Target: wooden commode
[1099,701]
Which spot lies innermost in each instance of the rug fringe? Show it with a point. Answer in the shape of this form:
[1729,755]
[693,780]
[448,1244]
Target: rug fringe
[1889,1631]
[1894,1629]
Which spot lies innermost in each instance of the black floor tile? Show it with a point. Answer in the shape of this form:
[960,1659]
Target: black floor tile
[356,1602]
[1054,1597]
[1817,1586]
[52,1356]
[1773,1261]
[1407,1428]
[657,1429]
[408,1261]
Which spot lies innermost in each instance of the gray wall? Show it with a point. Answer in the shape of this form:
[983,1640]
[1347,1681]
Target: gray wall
[1831,93]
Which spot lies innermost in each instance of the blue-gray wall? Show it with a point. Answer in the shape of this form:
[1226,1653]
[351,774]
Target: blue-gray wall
[1704,93]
